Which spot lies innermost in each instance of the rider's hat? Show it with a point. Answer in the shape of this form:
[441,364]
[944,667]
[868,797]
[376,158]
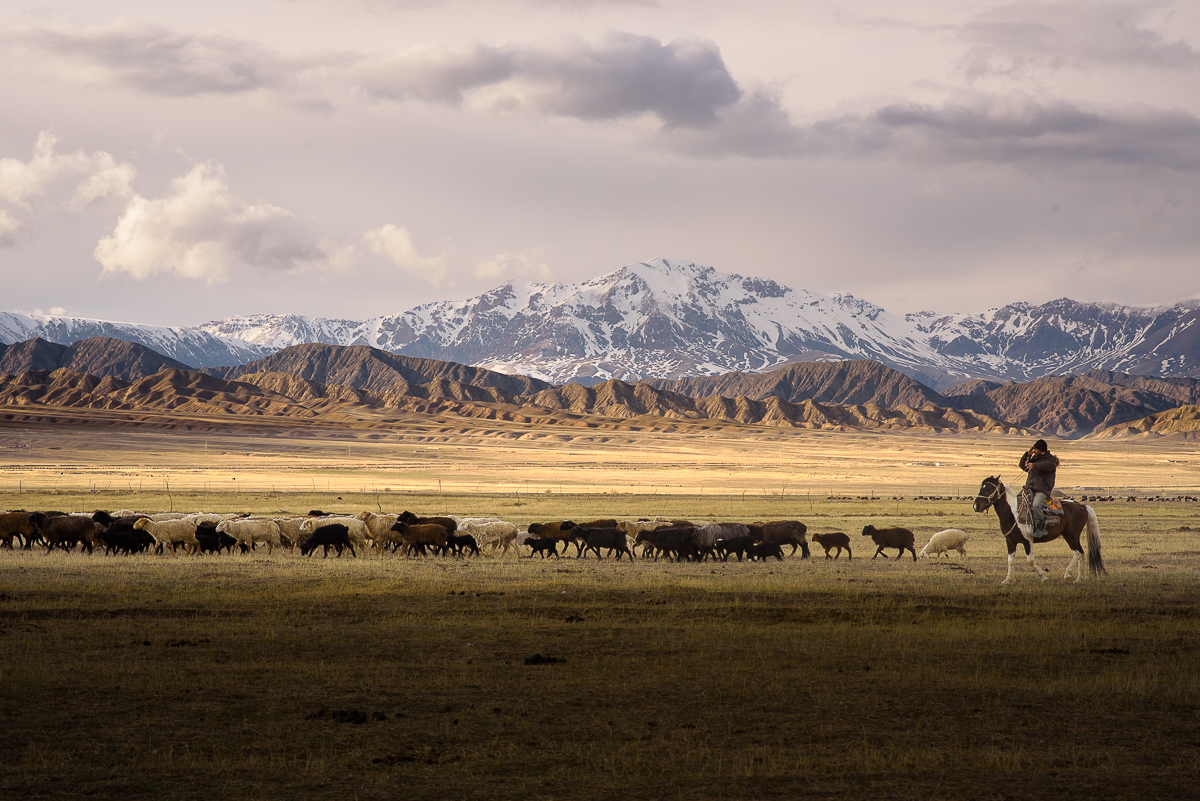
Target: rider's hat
[1041,445]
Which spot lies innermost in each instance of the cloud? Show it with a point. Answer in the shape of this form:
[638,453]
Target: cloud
[163,62]
[96,176]
[200,231]
[510,266]
[684,83]
[970,127]
[9,228]
[1016,39]
[396,245]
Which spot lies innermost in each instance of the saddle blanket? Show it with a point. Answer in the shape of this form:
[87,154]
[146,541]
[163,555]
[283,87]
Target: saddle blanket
[1025,516]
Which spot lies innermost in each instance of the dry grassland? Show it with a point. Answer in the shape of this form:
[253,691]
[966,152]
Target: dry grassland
[234,677]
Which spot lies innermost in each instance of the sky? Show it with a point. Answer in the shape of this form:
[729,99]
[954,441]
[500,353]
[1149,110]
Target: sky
[175,163]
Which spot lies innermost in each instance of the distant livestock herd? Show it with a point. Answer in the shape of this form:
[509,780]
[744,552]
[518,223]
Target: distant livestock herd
[407,534]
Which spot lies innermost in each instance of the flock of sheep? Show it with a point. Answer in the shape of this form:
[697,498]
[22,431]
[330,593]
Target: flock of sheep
[127,533]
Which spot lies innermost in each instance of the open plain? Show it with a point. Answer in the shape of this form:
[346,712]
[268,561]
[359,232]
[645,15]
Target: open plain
[384,677]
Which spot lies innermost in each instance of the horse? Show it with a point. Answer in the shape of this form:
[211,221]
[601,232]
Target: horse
[1075,520]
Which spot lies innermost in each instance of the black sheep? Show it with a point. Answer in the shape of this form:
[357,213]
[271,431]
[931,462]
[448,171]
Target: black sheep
[335,534]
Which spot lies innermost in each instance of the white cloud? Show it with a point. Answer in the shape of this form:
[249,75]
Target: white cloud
[396,244]
[510,266]
[201,231]
[96,176]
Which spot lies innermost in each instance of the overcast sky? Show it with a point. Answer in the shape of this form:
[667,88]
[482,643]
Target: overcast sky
[174,163]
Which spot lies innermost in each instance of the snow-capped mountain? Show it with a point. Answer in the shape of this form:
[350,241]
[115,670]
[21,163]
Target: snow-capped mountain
[673,319]
[669,319]
[191,346]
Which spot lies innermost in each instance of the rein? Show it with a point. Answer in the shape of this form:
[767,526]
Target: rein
[991,499]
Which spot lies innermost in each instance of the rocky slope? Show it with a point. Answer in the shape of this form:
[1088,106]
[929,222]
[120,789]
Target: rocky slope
[849,382]
[1180,423]
[98,356]
[374,370]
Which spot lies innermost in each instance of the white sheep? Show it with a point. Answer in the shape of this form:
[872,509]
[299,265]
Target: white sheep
[359,535]
[169,532]
[250,530]
[498,535]
[289,531]
[162,517]
[379,527]
[952,539]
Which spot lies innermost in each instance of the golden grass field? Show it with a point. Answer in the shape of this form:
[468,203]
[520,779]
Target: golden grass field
[268,677]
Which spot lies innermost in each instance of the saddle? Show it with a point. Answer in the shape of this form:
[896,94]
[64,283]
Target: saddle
[1052,509]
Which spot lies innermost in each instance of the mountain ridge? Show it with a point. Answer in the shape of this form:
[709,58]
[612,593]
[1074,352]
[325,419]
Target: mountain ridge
[669,320]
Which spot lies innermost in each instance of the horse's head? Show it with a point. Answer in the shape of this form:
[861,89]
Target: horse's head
[990,491]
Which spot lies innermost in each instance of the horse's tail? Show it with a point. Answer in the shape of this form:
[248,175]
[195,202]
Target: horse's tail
[1095,562]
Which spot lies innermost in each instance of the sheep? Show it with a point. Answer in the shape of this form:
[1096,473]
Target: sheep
[784,532]
[290,534]
[834,539]
[335,534]
[121,540]
[65,531]
[541,545]
[673,540]
[593,539]
[558,530]
[417,535]
[497,535]
[762,551]
[448,523]
[213,541]
[169,532]
[896,537]
[378,525]
[164,517]
[952,539]
[706,536]
[738,545]
[358,529]
[252,530]
[15,524]
[459,543]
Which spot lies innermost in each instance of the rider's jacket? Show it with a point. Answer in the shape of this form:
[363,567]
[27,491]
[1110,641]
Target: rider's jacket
[1041,469]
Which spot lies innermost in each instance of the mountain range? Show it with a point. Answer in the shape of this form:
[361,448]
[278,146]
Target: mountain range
[857,394]
[674,320]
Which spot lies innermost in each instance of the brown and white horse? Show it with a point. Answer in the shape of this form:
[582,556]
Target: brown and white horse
[1076,519]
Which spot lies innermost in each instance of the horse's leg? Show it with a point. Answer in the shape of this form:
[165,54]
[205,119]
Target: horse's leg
[1045,576]
[1075,563]
[1012,559]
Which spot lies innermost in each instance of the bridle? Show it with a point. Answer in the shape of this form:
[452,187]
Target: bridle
[991,501]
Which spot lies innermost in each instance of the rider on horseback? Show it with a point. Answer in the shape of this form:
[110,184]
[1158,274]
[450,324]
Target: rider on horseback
[1041,466]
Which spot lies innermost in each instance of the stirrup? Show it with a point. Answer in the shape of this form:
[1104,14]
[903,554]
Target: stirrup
[1037,534]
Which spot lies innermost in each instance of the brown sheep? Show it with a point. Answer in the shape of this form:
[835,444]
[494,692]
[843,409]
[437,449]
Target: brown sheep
[899,538]
[783,532]
[417,535]
[834,539]
[448,523]
[15,524]
[558,530]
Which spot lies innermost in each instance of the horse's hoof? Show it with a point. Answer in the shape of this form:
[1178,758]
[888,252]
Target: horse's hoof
[1045,578]
[1006,581]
